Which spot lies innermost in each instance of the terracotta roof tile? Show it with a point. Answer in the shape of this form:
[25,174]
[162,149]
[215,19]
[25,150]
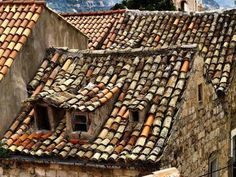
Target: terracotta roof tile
[96,25]
[127,73]
[17,18]
[214,32]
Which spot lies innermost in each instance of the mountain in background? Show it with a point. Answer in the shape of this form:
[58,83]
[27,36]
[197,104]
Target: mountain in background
[210,4]
[99,5]
[81,5]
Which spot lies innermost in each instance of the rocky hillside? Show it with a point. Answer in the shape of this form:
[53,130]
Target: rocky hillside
[81,5]
[98,5]
[211,4]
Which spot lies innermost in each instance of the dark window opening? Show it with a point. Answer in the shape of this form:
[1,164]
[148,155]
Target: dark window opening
[42,118]
[136,116]
[213,166]
[234,156]
[80,123]
[200,93]
[183,6]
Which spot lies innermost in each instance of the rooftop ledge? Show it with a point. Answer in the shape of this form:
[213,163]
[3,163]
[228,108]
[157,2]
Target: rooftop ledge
[142,50]
[13,2]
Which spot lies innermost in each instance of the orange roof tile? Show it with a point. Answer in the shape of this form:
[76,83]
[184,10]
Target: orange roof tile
[139,74]
[214,32]
[17,19]
[96,25]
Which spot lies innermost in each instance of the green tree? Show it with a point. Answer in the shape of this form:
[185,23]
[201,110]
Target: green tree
[145,5]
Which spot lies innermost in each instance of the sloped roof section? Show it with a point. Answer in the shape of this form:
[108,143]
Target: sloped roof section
[16,23]
[96,25]
[142,79]
[214,32]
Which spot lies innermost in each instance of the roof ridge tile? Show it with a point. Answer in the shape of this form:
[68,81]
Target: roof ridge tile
[109,12]
[14,2]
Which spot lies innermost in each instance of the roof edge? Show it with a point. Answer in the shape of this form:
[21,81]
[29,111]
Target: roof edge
[79,162]
[61,18]
[22,2]
[218,11]
[109,12]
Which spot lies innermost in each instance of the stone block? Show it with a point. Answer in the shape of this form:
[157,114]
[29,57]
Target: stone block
[51,173]
[1,171]
[55,166]
[40,172]
[117,172]
[24,174]
[74,174]
[130,173]
[83,174]
[61,173]
[201,134]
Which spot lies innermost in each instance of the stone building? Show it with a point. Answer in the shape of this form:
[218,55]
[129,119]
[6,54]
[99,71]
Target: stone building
[27,28]
[188,5]
[143,104]
[101,109]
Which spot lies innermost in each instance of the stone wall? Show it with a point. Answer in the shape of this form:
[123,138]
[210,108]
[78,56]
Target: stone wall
[50,30]
[200,129]
[230,100]
[192,5]
[26,169]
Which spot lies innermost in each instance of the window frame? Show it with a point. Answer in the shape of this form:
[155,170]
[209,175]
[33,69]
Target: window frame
[233,151]
[200,93]
[86,122]
[213,158]
[38,117]
[54,116]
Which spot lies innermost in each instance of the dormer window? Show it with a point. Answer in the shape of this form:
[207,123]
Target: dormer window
[80,123]
[85,125]
[47,117]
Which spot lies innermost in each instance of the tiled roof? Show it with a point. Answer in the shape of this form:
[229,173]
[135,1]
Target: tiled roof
[88,80]
[16,23]
[214,32]
[96,25]
[23,1]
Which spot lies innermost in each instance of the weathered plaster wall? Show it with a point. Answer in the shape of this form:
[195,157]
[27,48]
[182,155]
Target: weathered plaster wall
[49,31]
[23,169]
[199,131]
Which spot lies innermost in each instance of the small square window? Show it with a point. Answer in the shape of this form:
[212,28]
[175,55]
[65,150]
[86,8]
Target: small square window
[200,93]
[80,123]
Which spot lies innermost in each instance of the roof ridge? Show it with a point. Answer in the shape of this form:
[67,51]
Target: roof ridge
[190,47]
[138,12]
[13,2]
[108,12]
